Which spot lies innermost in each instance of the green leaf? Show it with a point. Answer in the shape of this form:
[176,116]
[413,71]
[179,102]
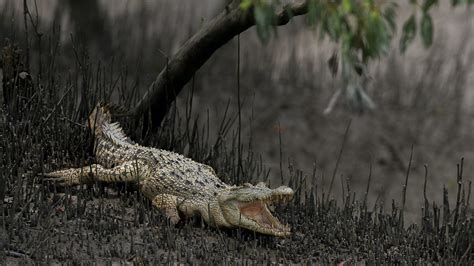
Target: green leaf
[245,4]
[263,30]
[390,15]
[428,4]
[346,6]
[457,2]
[333,25]
[427,30]
[265,21]
[408,33]
[314,11]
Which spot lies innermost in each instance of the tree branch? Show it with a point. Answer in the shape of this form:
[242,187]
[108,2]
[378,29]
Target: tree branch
[196,51]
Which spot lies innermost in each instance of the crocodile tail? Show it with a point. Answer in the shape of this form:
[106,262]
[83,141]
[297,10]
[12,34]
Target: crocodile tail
[98,117]
[102,114]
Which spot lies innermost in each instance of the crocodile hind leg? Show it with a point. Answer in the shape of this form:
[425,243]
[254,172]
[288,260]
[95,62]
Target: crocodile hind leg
[168,204]
[126,172]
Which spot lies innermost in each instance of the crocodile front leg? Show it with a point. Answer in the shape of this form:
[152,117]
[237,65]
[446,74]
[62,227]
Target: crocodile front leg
[126,172]
[168,204]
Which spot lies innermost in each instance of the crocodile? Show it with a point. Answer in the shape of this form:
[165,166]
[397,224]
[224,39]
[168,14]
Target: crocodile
[178,186]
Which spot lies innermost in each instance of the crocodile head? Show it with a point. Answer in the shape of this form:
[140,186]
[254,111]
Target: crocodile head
[246,206]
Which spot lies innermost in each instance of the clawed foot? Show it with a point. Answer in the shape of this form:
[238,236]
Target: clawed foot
[68,177]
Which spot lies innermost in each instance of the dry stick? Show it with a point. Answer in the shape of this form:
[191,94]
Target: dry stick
[464,256]
[189,107]
[57,104]
[368,183]
[30,99]
[425,214]
[424,185]
[314,186]
[281,153]
[38,35]
[239,127]
[459,180]
[469,195]
[336,167]
[16,254]
[25,13]
[343,193]
[25,207]
[224,128]
[82,70]
[400,222]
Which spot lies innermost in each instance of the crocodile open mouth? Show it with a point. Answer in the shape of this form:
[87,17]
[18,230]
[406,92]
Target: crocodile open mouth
[258,212]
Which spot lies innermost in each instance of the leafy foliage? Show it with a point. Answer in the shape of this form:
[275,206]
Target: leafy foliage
[427,30]
[409,32]
[265,18]
[364,30]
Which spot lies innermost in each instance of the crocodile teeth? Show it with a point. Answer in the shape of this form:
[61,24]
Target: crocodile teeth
[271,207]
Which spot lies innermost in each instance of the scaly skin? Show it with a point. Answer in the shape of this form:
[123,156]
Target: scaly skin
[175,184]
